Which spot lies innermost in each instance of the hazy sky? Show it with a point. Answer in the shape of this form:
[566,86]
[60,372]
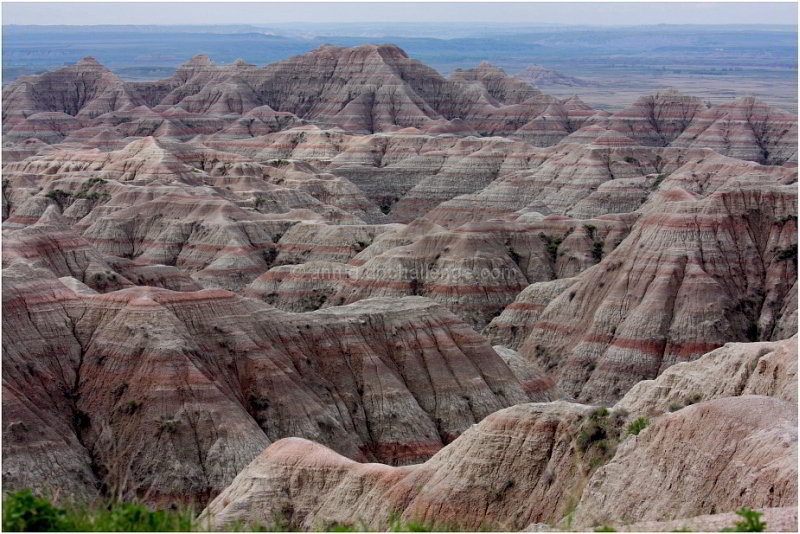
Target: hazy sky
[274,12]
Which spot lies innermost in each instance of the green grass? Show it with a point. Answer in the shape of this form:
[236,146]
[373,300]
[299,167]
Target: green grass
[751,522]
[25,512]
[637,425]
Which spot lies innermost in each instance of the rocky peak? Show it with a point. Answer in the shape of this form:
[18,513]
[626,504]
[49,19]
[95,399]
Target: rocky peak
[199,60]
[88,61]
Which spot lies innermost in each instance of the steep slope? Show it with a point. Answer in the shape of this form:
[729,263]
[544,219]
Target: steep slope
[139,380]
[743,451]
[745,128]
[526,464]
[638,312]
[494,475]
[766,368]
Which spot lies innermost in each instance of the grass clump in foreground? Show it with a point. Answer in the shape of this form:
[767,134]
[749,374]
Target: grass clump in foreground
[25,512]
[751,522]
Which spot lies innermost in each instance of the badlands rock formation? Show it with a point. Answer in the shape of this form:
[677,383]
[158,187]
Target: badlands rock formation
[388,380]
[542,76]
[245,280]
[525,465]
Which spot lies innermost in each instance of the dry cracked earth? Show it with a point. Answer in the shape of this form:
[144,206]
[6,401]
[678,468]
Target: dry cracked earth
[342,287]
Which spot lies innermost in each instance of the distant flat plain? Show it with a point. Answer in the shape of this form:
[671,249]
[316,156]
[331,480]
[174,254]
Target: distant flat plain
[715,63]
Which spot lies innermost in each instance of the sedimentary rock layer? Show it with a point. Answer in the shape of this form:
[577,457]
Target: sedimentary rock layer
[143,376]
[524,465]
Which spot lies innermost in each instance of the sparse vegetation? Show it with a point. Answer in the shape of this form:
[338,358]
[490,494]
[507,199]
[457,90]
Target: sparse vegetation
[170,426]
[692,398]
[25,512]
[590,229]
[659,178]
[386,204]
[498,493]
[752,332]
[599,435]
[551,244]
[597,250]
[751,522]
[257,401]
[788,254]
[131,407]
[59,196]
[688,400]
[637,425]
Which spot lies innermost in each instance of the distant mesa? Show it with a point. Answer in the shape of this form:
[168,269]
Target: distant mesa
[539,75]
[88,61]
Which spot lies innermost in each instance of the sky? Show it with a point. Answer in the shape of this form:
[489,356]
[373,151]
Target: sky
[274,12]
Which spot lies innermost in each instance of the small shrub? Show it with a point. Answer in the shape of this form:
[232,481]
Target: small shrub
[395,524]
[59,196]
[597,250]
[590,228]
[590,433]
[131,407]
[692,398]
[630,159]
[659,178]
[342,528]
[259,201]
[81,419]
[258,402]
[169,425]
[120,389]
[605,528]
[637,425]
[752,332]
[788,254]
[24,512]
[597,413]
[751,522]
[674,406]
[551,244]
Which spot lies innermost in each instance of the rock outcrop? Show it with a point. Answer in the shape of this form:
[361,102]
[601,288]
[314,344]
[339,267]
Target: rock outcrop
[766,368]
[515,467]
[738,451]
[143,376]
[528,464]
[345,257]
